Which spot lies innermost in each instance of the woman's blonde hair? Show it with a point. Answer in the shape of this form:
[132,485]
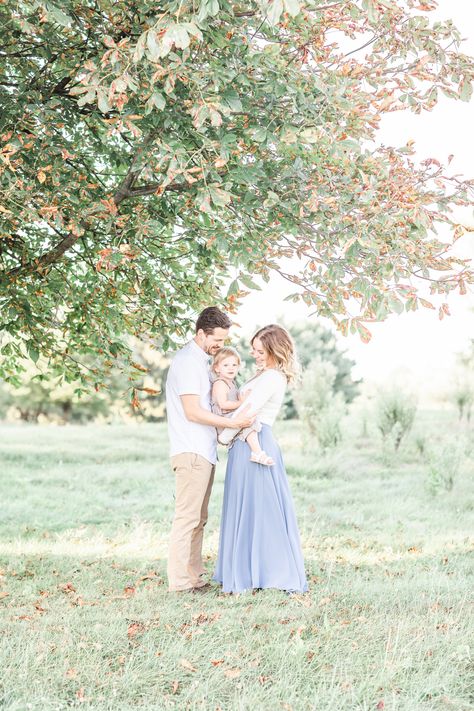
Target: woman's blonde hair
[224,352]
[279,345]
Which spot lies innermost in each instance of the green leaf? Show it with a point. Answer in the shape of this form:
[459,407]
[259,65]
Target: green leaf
[247,281]
[203,201]
[273,10]
[233,288]
[58,15]
[372,11]
[310,135]
[194,30]
[204,10]
[271,199]
[179,35]
[33,351]
[153,44]
[159,100]
[231,98]
[465,90]
[259,134]
[103,101]
[219,197]
[213,7]
[292,7]
[140,47]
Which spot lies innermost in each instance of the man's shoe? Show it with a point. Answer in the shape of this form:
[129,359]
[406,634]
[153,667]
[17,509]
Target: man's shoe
[207,587]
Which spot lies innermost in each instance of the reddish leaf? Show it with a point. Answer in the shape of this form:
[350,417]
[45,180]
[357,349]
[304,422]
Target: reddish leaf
[134,628]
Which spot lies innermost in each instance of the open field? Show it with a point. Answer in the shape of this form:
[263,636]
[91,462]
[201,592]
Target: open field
[86,620]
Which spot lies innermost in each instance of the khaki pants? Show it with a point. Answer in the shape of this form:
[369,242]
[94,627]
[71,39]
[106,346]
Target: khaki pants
[194,479]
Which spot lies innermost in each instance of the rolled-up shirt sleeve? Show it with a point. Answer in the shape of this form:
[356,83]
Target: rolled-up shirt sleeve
[261,391]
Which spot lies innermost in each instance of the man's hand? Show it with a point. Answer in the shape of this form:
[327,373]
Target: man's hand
[242,420]
[195,413]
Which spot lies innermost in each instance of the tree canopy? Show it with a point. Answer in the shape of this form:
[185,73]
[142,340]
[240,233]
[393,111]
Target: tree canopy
[151,149]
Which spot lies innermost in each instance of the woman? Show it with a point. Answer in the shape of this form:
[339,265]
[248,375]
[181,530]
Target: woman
[259,543]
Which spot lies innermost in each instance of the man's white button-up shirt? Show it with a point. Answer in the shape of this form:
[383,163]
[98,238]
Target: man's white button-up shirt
[189,375]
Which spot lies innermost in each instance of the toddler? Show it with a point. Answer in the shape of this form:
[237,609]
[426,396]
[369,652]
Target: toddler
[225,398]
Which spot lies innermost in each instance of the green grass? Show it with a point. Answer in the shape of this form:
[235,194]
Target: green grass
[86,620]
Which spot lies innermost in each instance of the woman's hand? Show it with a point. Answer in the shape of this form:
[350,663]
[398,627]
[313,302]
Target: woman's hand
[243,396]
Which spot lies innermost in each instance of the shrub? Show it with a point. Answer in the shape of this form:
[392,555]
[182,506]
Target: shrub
[420,444]
[463,398]
[442,467]
[320,409]
[394,415]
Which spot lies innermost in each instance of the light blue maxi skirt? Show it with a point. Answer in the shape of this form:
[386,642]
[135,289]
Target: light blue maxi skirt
[259,544]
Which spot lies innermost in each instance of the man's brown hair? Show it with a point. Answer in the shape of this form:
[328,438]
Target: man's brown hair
[212,318]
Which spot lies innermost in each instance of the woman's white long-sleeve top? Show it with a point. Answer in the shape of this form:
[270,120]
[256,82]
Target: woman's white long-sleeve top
[267,392]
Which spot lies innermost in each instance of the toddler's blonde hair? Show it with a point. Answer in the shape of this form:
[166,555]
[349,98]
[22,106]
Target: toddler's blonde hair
[223,353]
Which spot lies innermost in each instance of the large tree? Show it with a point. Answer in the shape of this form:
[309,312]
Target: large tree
[150,149]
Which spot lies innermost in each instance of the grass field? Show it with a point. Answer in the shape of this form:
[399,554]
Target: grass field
[86,620]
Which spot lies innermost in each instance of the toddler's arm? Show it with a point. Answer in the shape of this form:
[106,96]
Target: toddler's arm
[220,392]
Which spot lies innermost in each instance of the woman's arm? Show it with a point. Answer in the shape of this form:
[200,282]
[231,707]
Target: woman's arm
[220,391]
[261,390]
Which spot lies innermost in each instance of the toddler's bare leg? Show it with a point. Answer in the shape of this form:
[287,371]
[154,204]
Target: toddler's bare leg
[253,442]
[258,455]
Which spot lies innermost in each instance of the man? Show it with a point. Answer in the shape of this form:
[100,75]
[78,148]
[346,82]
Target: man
[193,446]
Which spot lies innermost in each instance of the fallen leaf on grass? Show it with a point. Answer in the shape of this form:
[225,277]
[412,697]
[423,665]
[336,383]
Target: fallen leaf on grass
[71,673]
[202,618]
[174,687]
[232,673]
[148,576]
[129,590]
[297,632]
[187,665]
[324,600]
[304,599]
[134,629]
[67,588]
[263,679]
[77,601]
[80,695]
[3,595]
[381,705]
[217,662]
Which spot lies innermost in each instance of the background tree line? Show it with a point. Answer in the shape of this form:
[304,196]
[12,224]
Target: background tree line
[43,397]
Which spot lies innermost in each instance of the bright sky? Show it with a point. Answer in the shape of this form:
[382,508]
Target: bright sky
[415,345]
